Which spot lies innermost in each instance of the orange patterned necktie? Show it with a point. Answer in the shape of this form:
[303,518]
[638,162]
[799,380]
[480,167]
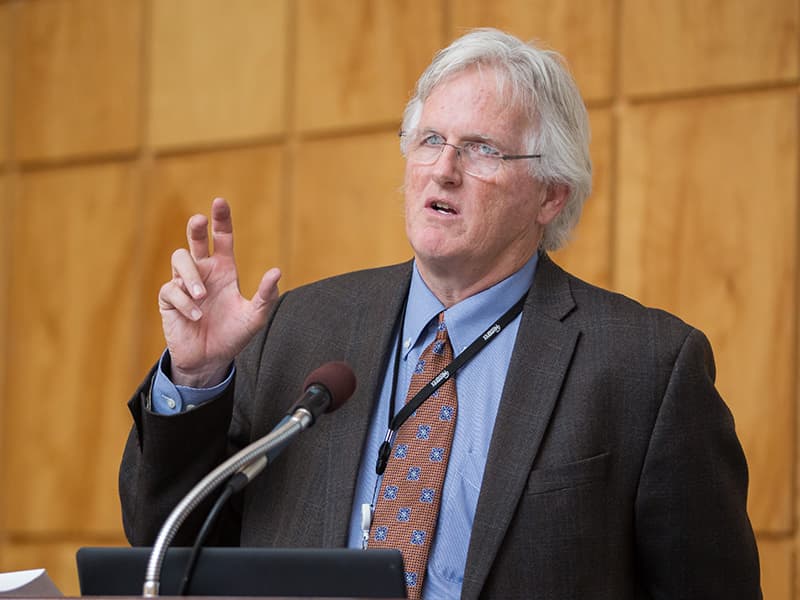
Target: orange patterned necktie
[411,491]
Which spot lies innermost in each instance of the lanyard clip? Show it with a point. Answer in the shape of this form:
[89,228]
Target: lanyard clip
[366,522]
[384,451]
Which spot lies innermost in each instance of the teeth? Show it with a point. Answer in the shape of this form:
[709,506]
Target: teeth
[442,207]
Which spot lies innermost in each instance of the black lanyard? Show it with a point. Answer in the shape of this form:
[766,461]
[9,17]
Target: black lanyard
[449,371]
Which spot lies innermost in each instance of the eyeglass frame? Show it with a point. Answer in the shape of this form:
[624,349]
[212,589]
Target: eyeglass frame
[459,149]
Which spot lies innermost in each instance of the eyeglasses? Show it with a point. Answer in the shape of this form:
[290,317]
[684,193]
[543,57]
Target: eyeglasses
[479,159]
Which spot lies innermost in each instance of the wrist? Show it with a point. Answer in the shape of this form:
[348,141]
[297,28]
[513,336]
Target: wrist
[207,377]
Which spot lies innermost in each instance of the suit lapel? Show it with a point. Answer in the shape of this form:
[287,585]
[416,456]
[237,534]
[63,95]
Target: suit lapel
[367,352]
[539,363]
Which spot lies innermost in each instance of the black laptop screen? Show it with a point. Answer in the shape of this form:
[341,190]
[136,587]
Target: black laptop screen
[247,572]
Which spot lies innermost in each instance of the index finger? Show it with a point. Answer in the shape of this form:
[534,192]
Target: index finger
[222,227]
[197,236]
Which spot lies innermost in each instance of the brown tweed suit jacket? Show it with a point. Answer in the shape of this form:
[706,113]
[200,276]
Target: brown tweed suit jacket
[614,470]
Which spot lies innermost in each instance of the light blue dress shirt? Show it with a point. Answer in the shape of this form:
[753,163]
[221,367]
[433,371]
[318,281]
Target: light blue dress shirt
[479,385]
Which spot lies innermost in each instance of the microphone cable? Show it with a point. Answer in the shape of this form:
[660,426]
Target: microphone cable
[235,484]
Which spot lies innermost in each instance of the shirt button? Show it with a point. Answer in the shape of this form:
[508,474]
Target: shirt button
[407,343]
[170,402]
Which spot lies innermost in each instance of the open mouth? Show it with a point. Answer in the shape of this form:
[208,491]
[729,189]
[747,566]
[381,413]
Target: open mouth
[442,208]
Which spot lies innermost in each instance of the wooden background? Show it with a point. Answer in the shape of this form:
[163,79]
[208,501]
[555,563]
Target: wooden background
[120,118]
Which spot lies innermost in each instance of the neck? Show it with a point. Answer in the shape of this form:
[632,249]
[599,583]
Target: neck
[452,285]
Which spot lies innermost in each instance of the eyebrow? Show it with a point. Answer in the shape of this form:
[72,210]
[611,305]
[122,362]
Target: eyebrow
[471,137]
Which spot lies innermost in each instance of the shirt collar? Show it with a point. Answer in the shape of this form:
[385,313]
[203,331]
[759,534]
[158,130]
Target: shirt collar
[469,318]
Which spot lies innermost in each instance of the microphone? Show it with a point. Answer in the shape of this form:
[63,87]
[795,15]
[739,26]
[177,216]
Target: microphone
[325,390]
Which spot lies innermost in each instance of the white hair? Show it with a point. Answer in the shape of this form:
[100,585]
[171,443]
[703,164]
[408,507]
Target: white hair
[540,82]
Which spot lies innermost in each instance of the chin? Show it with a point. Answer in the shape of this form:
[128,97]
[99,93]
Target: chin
[440,258]
[431,247]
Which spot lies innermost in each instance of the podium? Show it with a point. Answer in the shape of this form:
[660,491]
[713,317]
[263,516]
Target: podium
[253,572]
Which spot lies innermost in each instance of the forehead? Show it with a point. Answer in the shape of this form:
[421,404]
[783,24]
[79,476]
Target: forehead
[476,101]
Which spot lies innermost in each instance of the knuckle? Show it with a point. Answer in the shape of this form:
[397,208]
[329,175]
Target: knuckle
[166,294]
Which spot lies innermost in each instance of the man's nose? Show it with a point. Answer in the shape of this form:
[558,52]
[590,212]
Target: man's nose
[447,169]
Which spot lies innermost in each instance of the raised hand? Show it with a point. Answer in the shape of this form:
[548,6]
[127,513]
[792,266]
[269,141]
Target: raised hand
[206,320]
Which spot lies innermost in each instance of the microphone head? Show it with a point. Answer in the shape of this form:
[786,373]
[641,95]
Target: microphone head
[338,378]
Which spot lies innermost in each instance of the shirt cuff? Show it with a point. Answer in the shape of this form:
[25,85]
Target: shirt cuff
[170,399]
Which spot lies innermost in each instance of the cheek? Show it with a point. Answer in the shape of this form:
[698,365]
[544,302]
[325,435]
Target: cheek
[490,224]
[413,190]
[508,216]
[412,178]
[527,200]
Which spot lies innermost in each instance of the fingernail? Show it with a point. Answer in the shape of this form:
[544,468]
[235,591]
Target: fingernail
[197,290]
[196,314]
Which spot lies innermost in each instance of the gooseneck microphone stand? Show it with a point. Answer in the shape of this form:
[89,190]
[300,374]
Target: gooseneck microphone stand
[250,461]
[326,389]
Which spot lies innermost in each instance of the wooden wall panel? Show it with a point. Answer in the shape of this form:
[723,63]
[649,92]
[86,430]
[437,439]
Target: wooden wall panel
[581,31]
[707,228]
[71,335]
[777,568]
[57,556]
[180,186]
[217,70]
[347,207]
[77,77]
[682,45]
[358,66]
[5,229]
[695,201]
[5,61]
[588,255]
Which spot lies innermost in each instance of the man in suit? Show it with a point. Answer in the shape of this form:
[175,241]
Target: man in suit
[592,457]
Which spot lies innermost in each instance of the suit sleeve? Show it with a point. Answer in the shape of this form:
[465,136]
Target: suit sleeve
[165,456]
[693,536]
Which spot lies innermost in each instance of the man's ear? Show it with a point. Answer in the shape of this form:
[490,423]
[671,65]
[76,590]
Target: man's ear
[555,197]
